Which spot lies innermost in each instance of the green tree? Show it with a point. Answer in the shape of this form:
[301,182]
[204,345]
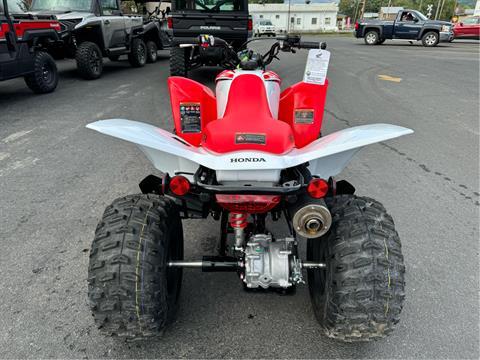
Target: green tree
[352,8]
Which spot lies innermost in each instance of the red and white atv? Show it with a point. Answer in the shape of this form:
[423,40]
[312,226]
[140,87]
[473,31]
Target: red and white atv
[244,154]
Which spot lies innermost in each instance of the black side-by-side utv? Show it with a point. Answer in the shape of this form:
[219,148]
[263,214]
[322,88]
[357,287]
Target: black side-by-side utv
[24,41]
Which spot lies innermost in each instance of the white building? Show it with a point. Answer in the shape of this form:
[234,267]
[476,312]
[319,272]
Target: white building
[303,17]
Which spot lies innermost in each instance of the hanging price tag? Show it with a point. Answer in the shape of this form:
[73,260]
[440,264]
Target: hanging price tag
[317,66]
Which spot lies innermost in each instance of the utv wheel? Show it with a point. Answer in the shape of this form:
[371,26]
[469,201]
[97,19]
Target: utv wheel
[89,60]
[430,39]
[178,62]
[138,54]
[44,78]
[132,292]
[371,37]
[152,52]
[359,296]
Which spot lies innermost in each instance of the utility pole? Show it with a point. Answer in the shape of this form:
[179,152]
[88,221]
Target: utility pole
[355,14]
[441,9]
[363,9]
[436,10]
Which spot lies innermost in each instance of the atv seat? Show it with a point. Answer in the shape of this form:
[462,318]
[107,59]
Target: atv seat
[248,123]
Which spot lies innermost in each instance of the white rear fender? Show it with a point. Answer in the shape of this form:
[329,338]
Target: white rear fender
[327,156]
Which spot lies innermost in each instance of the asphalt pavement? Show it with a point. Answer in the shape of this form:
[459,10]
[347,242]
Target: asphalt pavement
[56,178]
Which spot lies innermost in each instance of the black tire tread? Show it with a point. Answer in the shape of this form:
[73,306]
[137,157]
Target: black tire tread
[178,62]
[82,57]
[365,281]
[151,45]
[35,80]
[134,56]
[131,225]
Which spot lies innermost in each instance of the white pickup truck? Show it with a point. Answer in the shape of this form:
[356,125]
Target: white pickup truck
[264,27]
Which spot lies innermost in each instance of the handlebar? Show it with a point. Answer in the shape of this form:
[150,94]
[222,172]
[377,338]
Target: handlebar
[285,43]
[311,45]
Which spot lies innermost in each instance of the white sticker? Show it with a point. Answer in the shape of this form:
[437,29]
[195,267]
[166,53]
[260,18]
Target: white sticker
[317,66]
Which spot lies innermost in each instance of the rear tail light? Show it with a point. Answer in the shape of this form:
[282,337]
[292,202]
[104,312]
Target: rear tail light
[56,26]
[250,24]
[170,22]
[356,25]
[317,188]
[179,185]
[250,204]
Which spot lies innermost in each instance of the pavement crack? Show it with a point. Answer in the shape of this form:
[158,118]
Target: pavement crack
[462,192]
[336,117]
[463,188]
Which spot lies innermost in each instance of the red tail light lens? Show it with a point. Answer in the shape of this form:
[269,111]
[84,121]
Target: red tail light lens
[250,24]
[170,22]
[179,185]
[250,204]
[317,188]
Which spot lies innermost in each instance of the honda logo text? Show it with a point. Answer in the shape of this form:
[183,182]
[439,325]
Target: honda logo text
[241,160]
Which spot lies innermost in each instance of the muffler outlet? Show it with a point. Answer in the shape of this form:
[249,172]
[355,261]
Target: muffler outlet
[312,221]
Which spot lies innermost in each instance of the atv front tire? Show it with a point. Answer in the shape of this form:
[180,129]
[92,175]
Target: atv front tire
[152,52]
[359,296]
[178,62]
[132,292]
[138,54]
[44,78]
[89,60]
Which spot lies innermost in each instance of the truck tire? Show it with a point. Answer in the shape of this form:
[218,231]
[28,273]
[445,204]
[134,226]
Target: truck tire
[372,37]
[152,52]
[44,78]
[359,296]
[138,54]
[178,62]
[89,60]
[132,293]
[430,39]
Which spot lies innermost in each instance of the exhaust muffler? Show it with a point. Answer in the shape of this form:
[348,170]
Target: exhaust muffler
[312,219]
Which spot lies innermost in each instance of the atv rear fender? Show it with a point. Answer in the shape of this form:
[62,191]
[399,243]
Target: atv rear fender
[327,156]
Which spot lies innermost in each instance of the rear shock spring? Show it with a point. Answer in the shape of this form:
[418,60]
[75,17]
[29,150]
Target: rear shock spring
[238,221]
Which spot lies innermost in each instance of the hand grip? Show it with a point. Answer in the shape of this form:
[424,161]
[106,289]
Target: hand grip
[308,45]
[312,45]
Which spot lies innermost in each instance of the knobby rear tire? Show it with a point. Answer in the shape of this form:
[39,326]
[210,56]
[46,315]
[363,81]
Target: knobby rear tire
[132,292]
[178,62]
[360,294]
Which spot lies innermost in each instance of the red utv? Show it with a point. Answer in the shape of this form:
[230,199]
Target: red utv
[24,41]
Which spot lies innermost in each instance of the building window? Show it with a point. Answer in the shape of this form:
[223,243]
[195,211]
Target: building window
[277,16]
[327,21]
[261,16]
[299,20]
[292,20]
[314,21]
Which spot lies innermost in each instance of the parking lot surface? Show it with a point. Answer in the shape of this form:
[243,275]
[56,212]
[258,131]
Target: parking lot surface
[56,177]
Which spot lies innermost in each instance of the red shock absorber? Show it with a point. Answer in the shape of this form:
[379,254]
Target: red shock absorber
[238,221]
